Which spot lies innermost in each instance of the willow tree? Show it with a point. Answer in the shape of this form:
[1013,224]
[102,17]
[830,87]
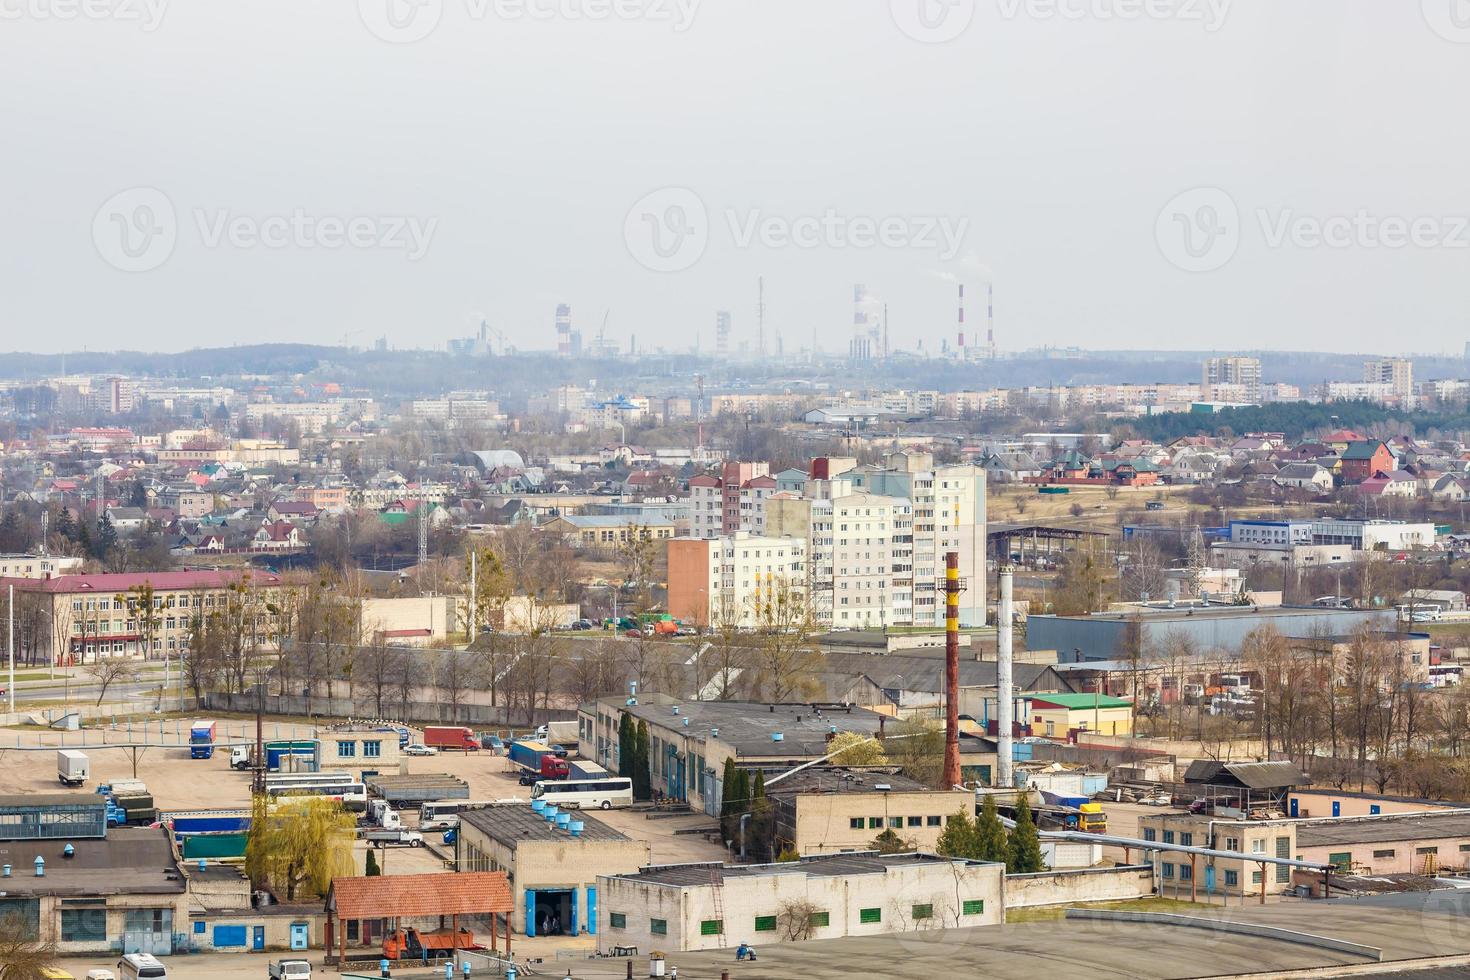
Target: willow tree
[297,848]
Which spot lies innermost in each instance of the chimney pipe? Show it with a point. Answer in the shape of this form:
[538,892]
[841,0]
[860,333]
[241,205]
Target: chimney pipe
[1004,686]
[951,669]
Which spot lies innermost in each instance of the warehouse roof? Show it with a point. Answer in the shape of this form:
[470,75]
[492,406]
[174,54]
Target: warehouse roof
[1406,827]
[1248,775]
[411,896]
[129,860]
[919,673]
[514,823]
[1076,701]
[749,727]
[816,866]
[845,779]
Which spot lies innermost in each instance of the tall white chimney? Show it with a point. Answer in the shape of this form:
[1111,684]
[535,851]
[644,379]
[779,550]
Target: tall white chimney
[1005,695]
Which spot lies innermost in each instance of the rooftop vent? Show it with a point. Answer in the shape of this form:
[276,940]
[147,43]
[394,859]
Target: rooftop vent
[777,737]
[40,866]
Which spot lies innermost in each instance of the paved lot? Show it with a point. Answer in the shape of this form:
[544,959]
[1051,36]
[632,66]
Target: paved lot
[1433,926]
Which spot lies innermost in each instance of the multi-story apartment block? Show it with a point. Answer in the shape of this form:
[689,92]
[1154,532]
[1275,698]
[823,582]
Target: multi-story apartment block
[724,504]
[726,581]
[1396,372]
[948,515]
[871,574]
[1232,373]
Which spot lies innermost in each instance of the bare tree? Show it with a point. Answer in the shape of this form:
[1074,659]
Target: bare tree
[785,651]
[106,671]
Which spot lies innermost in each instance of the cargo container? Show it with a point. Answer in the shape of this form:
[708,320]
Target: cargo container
[201,740]
[217,846]
[413,790]
[207,821]
[451,737]
[72,767]
[527,753]
[581,769]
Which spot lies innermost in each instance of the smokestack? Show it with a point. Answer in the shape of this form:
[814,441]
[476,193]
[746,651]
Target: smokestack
[1005,697]
[962,321]
[951,669]
[990,319]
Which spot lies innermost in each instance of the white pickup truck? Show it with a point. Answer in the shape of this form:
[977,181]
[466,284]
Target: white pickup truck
[290,970]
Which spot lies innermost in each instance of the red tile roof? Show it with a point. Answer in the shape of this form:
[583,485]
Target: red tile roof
[411,896]
[111,584]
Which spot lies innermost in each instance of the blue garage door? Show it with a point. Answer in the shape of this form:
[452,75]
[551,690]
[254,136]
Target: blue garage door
[225,936]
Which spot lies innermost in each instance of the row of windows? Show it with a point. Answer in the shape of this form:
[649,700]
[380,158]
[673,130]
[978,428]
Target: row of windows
[817,920]
[370,749]
[876,823]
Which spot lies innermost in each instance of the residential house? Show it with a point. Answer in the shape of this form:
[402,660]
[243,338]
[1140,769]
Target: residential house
[1304,476]
[1365,459]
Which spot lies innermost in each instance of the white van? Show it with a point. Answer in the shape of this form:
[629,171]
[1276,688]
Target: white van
[141,966]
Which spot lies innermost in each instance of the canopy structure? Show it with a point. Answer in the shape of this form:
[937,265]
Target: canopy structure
[418,896]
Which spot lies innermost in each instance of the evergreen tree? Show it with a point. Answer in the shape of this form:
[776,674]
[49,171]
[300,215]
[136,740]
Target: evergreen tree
[889,842]
[1024,854]
[642,775]
[957,839]
[990,834]
[106,538]
[728,786]
[627,745]
[84,539]
[372,870]
[138,497]
[65,526]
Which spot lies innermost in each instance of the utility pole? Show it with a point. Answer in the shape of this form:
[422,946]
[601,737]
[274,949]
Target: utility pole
[474,603]
[11,646]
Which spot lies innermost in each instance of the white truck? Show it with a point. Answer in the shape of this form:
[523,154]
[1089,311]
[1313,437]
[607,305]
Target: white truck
[383,815]
[289,970]
[384,838]
[72,768]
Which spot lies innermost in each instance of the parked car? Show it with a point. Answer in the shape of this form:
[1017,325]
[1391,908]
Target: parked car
[289,970]
[560,751]
[492,743]
[419,748]
[101,973]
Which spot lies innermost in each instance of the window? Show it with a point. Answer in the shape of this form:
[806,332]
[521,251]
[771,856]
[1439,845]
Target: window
[372,750]
[658,927]
[765,923]
[617,920]
[711,927]
[933,821]
[870,917]
[1186,873]
[1232,878]
[1168,870]
[346,750]
[855,823]
[1389,853]
[923,912]
[1255,877]
[1150,834]
[1168,837]
[875,822]
[975,906]
[916,821]
[1426,850]
[1186,839]
[895,823]
[820,920]
[84,925]
[1258,846]
[1232,843]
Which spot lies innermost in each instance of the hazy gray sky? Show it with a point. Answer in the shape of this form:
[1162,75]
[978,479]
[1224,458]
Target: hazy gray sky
[179,175]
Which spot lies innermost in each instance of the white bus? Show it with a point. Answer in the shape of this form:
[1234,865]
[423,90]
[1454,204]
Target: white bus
[297,778]
[444,814]
[352,796]
[586,794]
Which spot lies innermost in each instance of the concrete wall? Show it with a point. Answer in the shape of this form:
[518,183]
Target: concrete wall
[894,893]
[1319,802]
[433,613]
[1080,885]
[434,712]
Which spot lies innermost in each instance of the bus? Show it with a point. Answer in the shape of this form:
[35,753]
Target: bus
[352,796]
[586,794]
[444,814]
[293,778]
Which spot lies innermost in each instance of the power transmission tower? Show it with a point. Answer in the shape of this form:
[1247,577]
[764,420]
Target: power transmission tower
[1196,562]
[423,532]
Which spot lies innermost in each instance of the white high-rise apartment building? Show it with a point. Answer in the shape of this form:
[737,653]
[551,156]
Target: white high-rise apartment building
[1397,372]
[725,580]
[1231,373]
[871,575]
